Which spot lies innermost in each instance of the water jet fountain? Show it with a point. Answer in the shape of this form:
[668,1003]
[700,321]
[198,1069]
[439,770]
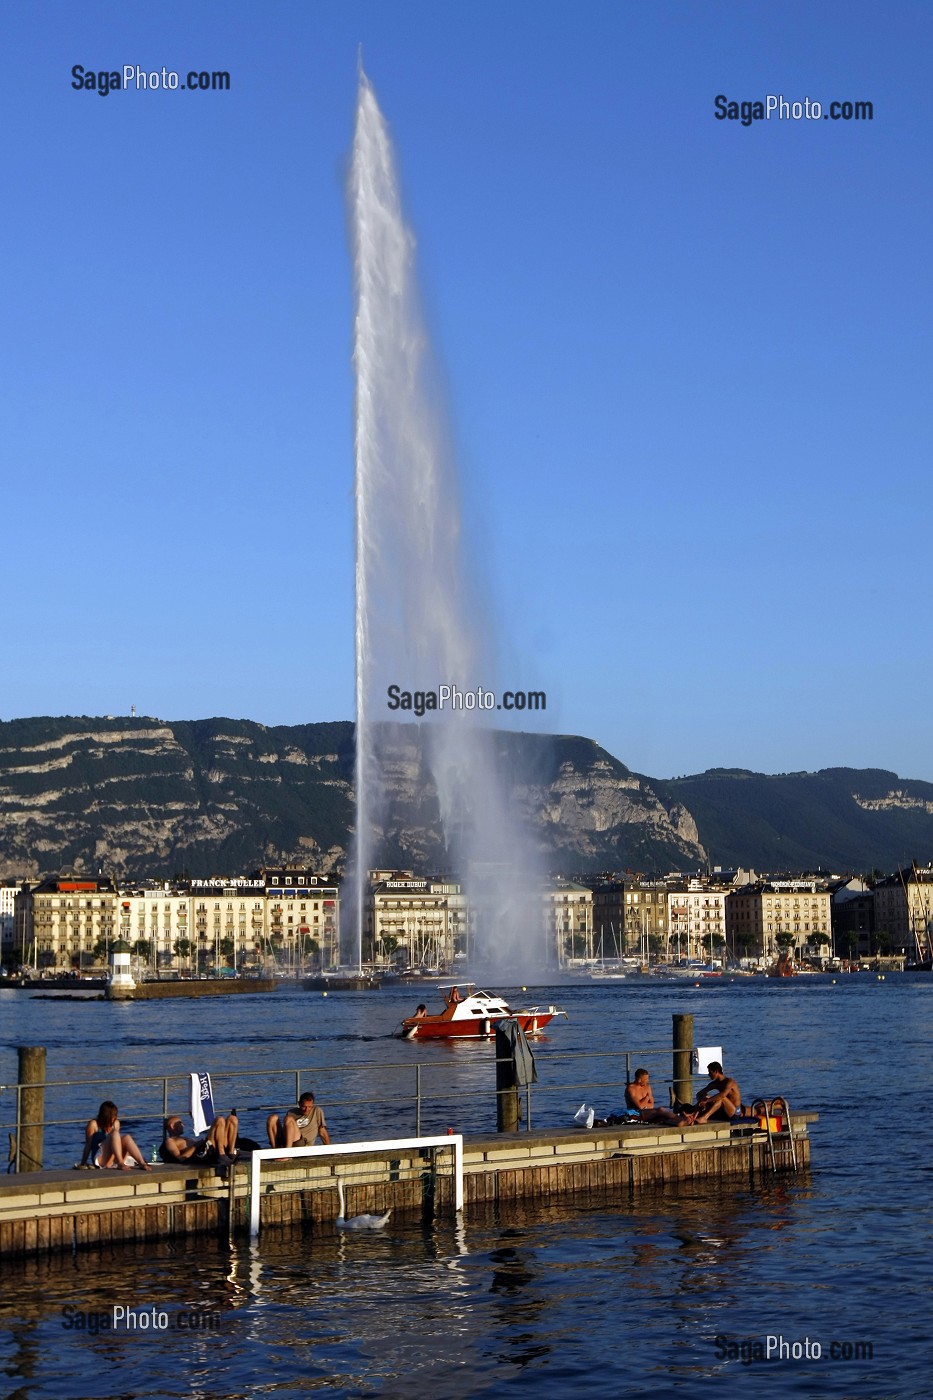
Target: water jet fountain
[417,621]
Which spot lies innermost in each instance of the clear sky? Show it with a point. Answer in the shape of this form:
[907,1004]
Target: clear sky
[688,362]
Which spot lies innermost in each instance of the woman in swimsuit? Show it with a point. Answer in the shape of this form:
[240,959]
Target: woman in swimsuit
[106,1146]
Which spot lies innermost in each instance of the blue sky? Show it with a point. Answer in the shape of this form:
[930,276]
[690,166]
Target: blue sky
[688,363]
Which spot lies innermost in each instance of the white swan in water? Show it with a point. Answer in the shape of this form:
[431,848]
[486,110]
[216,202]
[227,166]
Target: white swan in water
[358,1222]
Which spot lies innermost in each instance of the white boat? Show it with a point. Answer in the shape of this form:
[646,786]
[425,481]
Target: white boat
[472,1015]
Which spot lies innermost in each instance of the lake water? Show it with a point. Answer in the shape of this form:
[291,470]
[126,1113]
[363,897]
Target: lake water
[620,1297]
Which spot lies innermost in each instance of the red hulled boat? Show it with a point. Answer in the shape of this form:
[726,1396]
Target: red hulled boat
[472,1015]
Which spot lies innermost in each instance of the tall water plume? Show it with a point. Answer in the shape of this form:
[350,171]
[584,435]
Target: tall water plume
[418,624]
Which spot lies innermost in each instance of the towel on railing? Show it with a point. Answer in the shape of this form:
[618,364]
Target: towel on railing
[520,1050]
[702,1056]
[202,1103]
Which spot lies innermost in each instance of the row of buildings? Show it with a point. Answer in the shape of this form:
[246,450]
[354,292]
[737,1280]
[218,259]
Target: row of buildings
[290,918]
[72,921]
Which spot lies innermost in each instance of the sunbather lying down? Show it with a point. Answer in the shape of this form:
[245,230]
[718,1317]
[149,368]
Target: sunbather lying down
[217,1145]
[640,1097]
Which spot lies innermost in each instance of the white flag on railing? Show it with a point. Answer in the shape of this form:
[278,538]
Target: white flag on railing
[202,1103]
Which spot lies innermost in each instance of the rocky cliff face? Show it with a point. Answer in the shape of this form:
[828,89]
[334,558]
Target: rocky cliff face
[141,797]
[583,809]
[589,812]
[146,797]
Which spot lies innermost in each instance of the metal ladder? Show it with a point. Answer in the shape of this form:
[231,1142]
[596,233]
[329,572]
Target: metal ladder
[774,1108]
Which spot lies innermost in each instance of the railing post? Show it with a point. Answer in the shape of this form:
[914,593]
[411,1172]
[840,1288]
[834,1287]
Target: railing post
[30,1107]
[417,1100]
[683,1058]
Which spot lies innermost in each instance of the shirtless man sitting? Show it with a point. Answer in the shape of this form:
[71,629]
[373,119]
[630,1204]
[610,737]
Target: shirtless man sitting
[721,1100]
[640,1096]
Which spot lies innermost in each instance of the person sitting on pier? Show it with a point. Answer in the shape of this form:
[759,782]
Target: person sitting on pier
[721,1100]
[106,1146]
[217,1146]
[640,1096]
[299,1127]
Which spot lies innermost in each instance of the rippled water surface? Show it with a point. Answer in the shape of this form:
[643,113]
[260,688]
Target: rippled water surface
[601,1297]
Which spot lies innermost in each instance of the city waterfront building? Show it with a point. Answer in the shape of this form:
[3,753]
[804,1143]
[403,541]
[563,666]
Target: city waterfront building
[853,918]
[646,926]
[298,913]
[67,920]
[700,930]
[11,923]
[744,925]
[569,921]
[154,919]
[796,917]
[415,921]
[287,917]
[11,947]
[608,915]
[904,913]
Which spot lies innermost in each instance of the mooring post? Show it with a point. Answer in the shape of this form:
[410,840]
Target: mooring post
[683,1058]
[231,1201]
[30,1100]
[506,1085]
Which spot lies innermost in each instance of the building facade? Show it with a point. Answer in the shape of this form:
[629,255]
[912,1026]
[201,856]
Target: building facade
[65,922]
[647,918]
[568,922]
[903,910]
[415,921]
[744,925]
[300,910]
[796,916]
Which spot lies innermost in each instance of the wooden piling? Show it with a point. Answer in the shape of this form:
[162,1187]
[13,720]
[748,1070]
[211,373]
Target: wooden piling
[683,1058]
[507,1112]
[30,1114]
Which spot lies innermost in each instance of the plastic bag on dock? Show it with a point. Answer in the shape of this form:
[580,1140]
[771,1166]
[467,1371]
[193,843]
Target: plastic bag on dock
[584,1116]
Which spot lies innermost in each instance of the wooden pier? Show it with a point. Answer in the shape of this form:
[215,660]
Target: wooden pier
[194,987]
[59,1211]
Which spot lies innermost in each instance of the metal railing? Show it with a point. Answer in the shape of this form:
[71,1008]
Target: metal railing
[572,1075]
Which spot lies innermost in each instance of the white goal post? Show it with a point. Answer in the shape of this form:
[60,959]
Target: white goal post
[344,1149]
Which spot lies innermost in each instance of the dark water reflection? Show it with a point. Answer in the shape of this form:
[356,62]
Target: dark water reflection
[617,1296]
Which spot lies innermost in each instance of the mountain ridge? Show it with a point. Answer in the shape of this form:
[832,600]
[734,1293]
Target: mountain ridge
[140,796]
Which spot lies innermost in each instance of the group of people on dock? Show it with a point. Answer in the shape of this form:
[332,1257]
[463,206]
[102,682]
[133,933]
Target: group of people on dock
[719,1102]
[107,1146]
